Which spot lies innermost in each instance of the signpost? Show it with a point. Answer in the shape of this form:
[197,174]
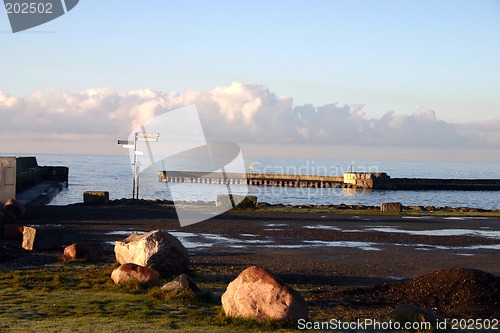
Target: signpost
[139,136]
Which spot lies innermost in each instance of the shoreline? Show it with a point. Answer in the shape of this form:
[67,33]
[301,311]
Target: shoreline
[340,208]
[328,256]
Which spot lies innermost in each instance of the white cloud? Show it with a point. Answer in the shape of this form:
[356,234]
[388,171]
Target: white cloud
[241,113]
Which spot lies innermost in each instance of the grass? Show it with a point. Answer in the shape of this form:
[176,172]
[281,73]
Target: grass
[80,297]
[83,298]
[370,211]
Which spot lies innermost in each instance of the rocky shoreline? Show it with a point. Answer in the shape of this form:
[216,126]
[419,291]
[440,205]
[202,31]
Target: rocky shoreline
[340,207]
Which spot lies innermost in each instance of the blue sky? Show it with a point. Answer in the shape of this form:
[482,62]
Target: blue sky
[386,55]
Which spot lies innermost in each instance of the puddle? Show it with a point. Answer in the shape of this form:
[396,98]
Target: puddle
[274,229]
[440,232]
[248,235]
[184,238]
[220,238]
[124,233]
[286,246]
[323,227]
[416,217]
[267,224]
[365,246]
[426,247]
[396,278]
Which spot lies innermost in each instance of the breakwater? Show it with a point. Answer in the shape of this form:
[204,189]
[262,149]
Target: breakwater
[361,180]
[24,180]
[251,179]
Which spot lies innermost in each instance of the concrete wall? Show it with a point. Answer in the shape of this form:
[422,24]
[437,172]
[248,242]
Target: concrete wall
[368,180]
[7,178]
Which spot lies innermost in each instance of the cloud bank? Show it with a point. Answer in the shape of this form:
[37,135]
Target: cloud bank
[241,113]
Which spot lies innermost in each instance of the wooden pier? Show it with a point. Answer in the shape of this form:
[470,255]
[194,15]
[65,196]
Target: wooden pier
[252,179]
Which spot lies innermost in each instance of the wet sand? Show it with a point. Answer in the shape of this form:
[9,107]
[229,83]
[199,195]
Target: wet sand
[335,249]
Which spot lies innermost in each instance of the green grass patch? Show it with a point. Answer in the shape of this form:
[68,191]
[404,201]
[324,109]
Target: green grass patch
[84,299]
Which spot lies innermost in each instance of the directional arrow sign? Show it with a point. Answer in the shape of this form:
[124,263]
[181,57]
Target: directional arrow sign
[147,134]
[125,142]
[148,139]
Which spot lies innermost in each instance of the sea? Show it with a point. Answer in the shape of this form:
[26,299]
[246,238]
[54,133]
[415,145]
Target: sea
[114,173]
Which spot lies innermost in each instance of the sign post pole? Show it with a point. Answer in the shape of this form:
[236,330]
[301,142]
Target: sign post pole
[143,136]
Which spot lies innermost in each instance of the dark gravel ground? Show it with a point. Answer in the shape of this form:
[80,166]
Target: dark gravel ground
[404,268]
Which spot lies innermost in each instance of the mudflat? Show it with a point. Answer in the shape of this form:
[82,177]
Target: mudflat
[351,247]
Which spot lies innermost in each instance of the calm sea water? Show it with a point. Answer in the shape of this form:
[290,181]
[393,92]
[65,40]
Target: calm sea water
[114,174]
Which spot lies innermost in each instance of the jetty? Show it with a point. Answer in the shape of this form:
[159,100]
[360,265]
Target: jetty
[354,180]
[22,179]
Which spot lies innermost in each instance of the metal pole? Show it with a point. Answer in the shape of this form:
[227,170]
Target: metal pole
[135,167]
[137,183]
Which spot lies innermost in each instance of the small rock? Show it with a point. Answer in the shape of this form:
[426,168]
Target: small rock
[257,293]
[83,251]
[42,237]
[391,207]
[181,284]
[95,197]
[132,272]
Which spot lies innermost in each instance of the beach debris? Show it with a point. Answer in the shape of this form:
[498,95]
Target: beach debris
[257,293]
[83,251]
[410,313]
[157,249]
[391,207]
[131,272]
[42,237]
[95,197]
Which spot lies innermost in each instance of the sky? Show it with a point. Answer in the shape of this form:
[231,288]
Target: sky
[374,78]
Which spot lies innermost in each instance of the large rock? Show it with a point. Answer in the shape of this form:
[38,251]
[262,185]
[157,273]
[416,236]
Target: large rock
[9,217]
[42,237]
[257,293]
[132,272]
[1,223]
[15,208]
[13,231]
[83,251]
[157,249]
[391,207]
[409,313]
